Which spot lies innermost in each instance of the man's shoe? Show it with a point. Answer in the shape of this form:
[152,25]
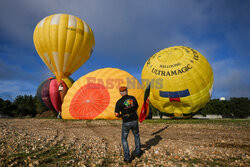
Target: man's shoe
[138,155]
[127,160]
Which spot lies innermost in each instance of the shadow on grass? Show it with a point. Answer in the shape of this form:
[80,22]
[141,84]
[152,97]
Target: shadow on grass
[159,131]
[151,142]
[147,146]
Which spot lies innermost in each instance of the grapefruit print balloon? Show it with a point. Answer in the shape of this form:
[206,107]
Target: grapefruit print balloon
[181,81]
[94,95]
[51,94]
[64,43]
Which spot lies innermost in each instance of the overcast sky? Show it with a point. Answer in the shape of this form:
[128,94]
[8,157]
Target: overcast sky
[127,33]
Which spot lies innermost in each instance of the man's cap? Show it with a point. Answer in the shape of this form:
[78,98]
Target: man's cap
[123,88]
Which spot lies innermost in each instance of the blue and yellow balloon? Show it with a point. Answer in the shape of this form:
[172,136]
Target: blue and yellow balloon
[184,81]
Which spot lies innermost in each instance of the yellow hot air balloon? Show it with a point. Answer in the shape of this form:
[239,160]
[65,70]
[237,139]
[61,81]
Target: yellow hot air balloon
[64,43]
[181,81]
[95,94]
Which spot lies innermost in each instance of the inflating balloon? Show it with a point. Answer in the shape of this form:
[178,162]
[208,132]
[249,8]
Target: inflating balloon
[64,43]
[94,95]
[180,81]
[51,94]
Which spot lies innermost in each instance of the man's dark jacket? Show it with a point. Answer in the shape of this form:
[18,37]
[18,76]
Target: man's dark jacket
[128,106]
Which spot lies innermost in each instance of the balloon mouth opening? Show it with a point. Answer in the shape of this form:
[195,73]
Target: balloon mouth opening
[171,109]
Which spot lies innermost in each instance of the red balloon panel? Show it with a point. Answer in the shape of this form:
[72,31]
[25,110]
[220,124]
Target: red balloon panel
[89,101]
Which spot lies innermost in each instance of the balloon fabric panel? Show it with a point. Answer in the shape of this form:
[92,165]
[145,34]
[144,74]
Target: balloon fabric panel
[55,95]
[64,42]
[46,95]
[91,100]
[39,93]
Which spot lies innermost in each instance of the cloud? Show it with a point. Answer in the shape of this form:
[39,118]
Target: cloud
[230,80]
[126,29]
[127,33]
[19,66]
[18,81]
[10,89]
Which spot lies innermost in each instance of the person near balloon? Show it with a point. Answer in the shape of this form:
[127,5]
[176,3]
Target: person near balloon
[161,115]
[126,108]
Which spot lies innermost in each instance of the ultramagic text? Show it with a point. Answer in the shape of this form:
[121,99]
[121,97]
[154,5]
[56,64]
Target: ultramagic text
[172,72]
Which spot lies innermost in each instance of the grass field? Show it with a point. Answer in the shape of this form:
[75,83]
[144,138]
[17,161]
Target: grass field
[192,142]
[197,121]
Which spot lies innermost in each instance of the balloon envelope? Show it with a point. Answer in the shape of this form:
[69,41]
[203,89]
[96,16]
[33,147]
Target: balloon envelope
[64,43]
[180,79]
[94,95]
[50,95]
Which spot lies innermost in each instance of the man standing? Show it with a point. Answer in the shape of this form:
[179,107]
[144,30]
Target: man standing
[126,108]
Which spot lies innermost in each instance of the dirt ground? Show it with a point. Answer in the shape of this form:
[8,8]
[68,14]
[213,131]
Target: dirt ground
[52,142]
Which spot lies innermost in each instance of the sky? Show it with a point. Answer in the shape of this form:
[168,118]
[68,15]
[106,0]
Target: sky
[127,33]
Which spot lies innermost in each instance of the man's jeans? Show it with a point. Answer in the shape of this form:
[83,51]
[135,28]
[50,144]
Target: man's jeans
[126,126]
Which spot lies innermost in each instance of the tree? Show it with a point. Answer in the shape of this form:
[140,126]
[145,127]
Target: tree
[7,108]
[233,108]
[25,105]
[240,107]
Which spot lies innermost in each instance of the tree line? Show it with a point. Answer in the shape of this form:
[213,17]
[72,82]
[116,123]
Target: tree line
[233,108]
[27,105]
[23,105]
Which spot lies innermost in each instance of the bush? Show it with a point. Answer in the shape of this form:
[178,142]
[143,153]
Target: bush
[233,108]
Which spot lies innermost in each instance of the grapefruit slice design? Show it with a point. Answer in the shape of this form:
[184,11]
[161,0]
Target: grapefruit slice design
[89,101]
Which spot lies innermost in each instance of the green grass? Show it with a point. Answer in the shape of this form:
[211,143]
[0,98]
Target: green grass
[197,121]
[167,121]
[45,118]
